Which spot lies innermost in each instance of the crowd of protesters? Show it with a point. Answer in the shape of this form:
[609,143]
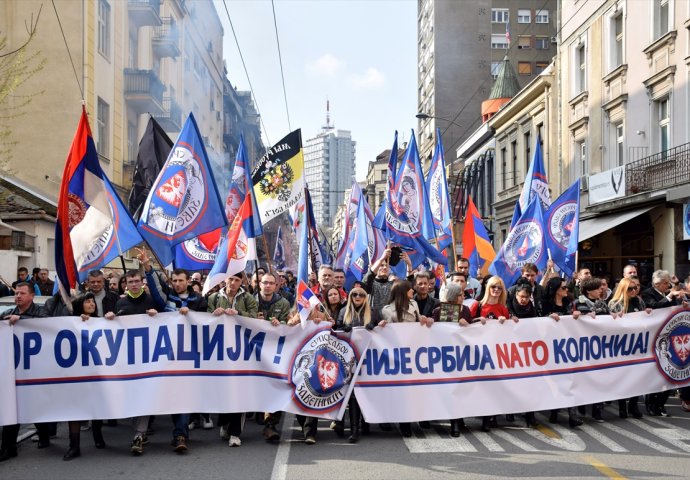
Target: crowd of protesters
[376,301]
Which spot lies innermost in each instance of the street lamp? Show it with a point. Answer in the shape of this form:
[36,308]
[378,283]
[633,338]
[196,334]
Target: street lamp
[424,116]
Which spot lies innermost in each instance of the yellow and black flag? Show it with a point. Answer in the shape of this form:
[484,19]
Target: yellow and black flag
[279,177]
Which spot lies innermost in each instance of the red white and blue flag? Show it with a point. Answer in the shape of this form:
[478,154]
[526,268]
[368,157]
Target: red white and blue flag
[183,202]
[93,226]
[238,246]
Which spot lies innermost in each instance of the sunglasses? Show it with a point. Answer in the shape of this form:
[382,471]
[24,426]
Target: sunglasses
[496,287]
[633,288]
[564,287]
[358,295]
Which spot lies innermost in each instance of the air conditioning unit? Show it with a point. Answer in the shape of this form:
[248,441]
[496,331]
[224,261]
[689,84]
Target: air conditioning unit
[554,39]
[584,183]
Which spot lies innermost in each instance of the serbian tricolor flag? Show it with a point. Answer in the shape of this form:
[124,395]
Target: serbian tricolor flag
[238,246]
[90,216]
[476,245]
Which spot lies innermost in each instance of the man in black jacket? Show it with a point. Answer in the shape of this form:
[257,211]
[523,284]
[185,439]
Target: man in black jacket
[135,302]
[24,308]
[105,299]
[423,284]
[661,295]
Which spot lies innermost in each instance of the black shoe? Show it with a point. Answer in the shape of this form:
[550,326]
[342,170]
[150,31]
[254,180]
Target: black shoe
[454,428]
[72,453]
[43,443]
[7,454]
[486,424]
[553,417]
[596,415]
[662,411]
[271,435]
[339,429]
[493,421]
[530,420]
[406,430]
[573,421]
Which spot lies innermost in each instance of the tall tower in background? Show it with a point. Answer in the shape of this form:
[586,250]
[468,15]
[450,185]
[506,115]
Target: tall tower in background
[461,46]
[329,163]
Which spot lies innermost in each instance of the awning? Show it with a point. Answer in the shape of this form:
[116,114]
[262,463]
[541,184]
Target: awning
[594,226]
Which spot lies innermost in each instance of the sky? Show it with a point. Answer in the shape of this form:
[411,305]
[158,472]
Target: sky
[361,55]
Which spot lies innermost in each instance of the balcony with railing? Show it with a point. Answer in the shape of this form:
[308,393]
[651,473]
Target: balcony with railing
[144,13]
[171,118]
[143,91]
[662,170]
[166,39]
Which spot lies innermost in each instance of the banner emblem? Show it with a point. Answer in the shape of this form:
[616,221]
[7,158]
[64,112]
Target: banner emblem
[277,181]
[322,371]
[672,347]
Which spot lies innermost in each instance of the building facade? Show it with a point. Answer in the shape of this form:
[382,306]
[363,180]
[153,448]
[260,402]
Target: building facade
[329,165]
[460,48]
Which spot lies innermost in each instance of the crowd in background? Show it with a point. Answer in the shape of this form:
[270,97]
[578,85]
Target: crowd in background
[379,299]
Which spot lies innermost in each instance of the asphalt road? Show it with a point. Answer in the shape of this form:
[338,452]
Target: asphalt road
[653,447]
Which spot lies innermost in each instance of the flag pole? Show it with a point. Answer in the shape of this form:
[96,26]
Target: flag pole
[268,257]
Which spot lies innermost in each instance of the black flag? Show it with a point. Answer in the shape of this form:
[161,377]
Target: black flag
[154,149]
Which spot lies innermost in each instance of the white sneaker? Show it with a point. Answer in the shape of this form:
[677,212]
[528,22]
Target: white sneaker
[224,435]
[234,441]
[208,424]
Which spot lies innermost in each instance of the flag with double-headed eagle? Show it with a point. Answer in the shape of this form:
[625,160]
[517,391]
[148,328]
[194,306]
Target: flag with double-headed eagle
[239,245]
[278,178]
[183,202]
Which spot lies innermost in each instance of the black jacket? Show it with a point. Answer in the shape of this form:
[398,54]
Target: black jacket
[133,306]
[654,299]
[34,311]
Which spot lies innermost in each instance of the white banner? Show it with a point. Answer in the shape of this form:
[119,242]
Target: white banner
[413,373]
[66,369]
[607,185]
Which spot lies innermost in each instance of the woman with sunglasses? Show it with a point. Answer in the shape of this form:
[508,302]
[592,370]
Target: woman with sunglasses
[402,308]
[355,313]
[626,299]
[493,306]
[556,302]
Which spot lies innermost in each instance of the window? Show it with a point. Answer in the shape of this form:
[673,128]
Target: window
[513,146]
[617,41]
[620,142]
[133,52]
[495,67]
[503,167]
[542,16]
[664,118]
[528,150]
[524,68]
[524,42]
[104,28]
[540,67]
[132,142]
[499,42]
[581,156]
[662,16]
[499,15]
[542,43]
[580,68]
[103,120]
[524,15]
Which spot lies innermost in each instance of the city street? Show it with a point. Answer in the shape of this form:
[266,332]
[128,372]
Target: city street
[653,447]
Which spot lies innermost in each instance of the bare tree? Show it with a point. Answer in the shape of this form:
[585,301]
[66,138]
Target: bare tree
[17,66]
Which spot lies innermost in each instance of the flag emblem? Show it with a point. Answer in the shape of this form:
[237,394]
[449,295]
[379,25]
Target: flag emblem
[277,181]
[561,222]
[525,245]
[76,209]
[173,190]
[327,371]
[681,345]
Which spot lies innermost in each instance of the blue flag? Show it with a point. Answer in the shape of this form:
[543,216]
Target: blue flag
[199,253]
[408,218]
[525,243]
[439,199]
[536,185]
[183,202]
[364,245]
[563,228]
